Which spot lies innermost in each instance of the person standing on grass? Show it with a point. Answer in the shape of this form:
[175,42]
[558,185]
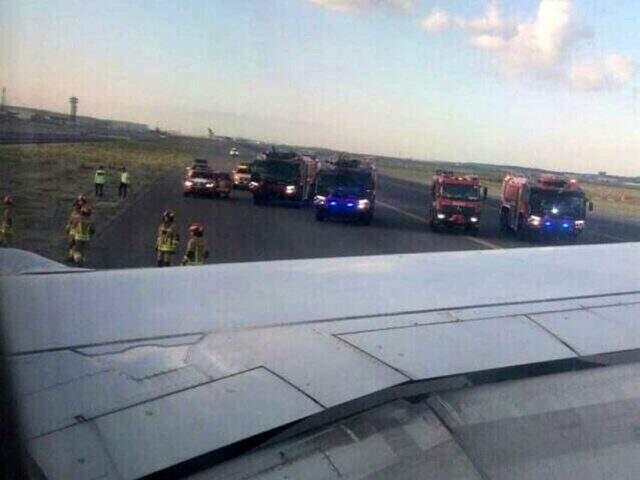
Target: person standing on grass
[99,180]
[124,183]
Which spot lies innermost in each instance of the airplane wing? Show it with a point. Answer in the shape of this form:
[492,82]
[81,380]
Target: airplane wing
[126,373]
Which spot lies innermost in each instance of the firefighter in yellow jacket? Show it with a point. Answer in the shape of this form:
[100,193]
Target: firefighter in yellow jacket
[73,219]
[82,231]
[197,250]
[6,222]
[167,239]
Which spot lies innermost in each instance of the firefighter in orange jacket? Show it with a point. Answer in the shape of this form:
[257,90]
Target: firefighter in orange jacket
[167,239]
[197,250]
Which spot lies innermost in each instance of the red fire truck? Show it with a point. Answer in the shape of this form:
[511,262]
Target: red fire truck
[283,176]
[455,201]
[546,205]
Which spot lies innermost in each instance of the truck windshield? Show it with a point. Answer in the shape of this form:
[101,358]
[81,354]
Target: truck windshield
[328,181]
[567,203]
[243,170]
[201,174]
[461,191]
[275,171]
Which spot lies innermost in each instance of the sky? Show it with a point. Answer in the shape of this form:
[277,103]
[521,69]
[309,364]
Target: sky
[540,83]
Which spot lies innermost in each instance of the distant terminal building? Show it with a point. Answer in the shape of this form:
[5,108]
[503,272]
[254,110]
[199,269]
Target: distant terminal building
[81,123]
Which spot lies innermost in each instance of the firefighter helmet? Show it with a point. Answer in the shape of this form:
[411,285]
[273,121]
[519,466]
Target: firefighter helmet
[168,216]
[196,228]
[81,199]
[7,200]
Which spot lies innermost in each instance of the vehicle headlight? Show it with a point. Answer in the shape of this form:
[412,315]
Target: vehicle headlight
[253,184]
[290,189]
[441,216]
[188,183]
[209,185]
[534,220]
[363,204]
[319,200]
[555,210]
[473,219]
[579,223]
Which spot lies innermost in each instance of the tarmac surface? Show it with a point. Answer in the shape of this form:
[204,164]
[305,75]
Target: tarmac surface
[238,231]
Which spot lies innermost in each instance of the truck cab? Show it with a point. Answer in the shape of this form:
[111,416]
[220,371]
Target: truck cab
[456,201]
[548,205]
[282,176]
[347,191]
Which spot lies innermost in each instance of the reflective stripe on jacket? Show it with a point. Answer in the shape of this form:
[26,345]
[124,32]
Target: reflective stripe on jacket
[7,220]
[196,250]
[82,231]
[167,239]
[100,177]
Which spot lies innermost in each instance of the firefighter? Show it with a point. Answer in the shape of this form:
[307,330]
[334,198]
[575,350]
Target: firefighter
[167,239]
[100,178]
[69,228]
[197,250]
[6,222]
[83,229]
[124,183]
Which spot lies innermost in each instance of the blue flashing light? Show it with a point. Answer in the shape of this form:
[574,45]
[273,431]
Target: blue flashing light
[334,203]
[565,225]
[547,224]
[349,204]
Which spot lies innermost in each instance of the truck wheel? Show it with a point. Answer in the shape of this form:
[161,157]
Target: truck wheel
[472,230]
[522,232]
[504,221]
[366,220]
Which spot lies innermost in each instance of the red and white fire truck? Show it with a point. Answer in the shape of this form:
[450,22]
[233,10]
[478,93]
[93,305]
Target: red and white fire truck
[283,176]
[545,205]
[456,201]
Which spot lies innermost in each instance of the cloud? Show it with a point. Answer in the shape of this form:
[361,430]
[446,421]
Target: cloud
[529,45]
[489,23]
[533,44]
[404,6]
[612,71]
[537,46]
[437,21]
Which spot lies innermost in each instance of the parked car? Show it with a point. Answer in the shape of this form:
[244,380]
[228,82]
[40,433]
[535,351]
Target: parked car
[199,182]
[242,177]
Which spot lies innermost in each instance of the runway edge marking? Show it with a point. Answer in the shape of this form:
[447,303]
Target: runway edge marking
[479,241]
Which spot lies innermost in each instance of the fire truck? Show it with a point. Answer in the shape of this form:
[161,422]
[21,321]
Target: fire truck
[283,176]
[455,201]
[346,189]
[546,205]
